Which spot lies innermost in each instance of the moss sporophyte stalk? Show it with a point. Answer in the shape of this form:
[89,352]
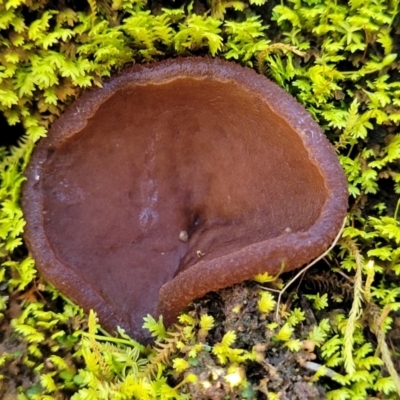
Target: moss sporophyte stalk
[338,329]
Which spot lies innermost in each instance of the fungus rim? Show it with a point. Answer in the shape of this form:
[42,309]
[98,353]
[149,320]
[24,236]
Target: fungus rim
[296,249]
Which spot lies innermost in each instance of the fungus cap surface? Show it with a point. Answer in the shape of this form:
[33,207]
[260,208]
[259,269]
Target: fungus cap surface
[175,179]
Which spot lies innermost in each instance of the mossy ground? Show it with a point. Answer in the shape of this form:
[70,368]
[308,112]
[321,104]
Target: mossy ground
[336,333]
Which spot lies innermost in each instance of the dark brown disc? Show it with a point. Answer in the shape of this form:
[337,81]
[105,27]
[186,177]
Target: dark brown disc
[176,179]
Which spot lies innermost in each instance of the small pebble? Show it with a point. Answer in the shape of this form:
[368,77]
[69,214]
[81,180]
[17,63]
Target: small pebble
[183,236]
[200,253]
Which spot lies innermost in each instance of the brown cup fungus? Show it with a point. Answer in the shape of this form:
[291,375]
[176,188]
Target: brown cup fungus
[176,179]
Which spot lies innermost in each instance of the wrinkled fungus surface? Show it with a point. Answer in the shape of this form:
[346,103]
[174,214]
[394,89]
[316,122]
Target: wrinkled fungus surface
[176,179]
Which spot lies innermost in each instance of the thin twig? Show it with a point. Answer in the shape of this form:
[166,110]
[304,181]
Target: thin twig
[308,267]
[351,280]
[312,366]
[269,289]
